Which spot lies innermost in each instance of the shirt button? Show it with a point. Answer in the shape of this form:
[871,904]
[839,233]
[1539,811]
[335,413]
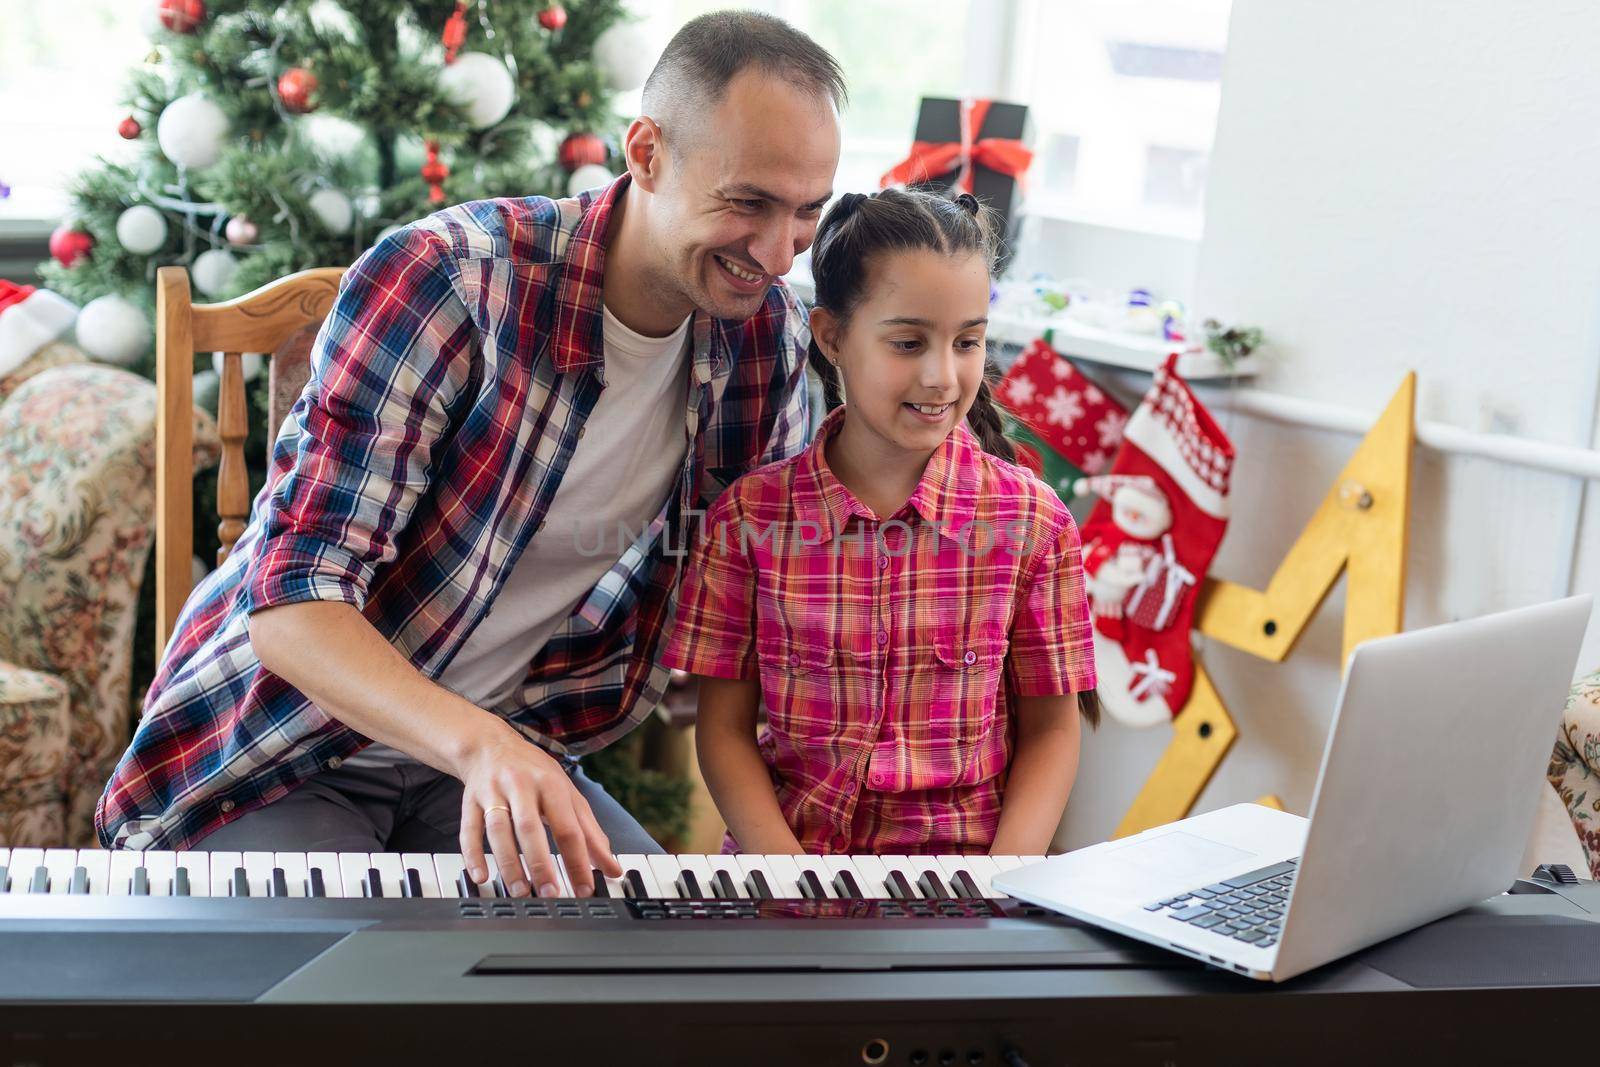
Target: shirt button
[227,805]
[841,842]
[877,778]
[883,562]
[849,789]
[794,659]
[883,637]
[970,658]
[335,763]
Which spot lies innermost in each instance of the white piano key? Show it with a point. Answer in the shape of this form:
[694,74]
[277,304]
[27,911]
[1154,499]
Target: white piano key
[5,861]
[634,862]
[119,879]
[815,863]
[981,868]
[782,874]
[488,888]
[332,876]
[1006,863]
[613,885]
[353,872]
[871,876]
[731,865]
[423,864]
[96,862]
[258,869]
[293,865]
[697,866]
[903,865]
[924,864]
[222,866]
[1029,860]
[60,862]
[666,869]
[447,868]
[198,866]
[159,863]
[390,873]
[24,861]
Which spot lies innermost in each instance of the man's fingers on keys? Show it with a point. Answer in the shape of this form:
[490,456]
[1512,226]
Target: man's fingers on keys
[503,841]
[600,854]
[567,831]
[472,841]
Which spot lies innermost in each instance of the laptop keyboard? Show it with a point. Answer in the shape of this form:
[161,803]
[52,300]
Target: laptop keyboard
[1248,908]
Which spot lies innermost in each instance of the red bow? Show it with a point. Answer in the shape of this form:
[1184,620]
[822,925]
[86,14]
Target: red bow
[931,159]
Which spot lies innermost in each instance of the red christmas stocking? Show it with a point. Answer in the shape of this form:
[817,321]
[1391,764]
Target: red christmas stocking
[1147,546]
[1066,425]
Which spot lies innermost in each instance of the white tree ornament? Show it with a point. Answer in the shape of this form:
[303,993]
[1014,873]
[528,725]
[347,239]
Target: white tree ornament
[213,271]
[250,363]
[482,85]
[192,131]
[141,229]
[625,55]
[334,209]
[588,176]
[113,330]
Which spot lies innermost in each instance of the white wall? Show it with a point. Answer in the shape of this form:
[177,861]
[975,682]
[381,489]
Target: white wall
[1396,186]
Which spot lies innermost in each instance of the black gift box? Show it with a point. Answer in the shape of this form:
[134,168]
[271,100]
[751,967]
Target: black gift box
[939,122]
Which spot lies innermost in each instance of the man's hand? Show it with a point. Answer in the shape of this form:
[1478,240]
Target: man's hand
[512,789]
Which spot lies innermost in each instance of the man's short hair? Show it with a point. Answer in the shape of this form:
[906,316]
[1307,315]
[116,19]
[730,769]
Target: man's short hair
[709,51]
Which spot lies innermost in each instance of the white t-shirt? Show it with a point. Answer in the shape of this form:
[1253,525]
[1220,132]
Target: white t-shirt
[629,455]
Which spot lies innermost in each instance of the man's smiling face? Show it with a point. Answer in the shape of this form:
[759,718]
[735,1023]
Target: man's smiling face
[741,191]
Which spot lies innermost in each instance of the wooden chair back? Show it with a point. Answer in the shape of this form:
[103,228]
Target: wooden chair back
[278,320]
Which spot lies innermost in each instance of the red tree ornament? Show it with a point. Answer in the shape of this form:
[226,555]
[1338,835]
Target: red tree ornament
[553,17]
[434,173]
[455,32]
[129,128]
[581,149]
[182,16]
[69,246]
[295,87]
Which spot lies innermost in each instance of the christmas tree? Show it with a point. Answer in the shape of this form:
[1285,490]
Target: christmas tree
[274,137]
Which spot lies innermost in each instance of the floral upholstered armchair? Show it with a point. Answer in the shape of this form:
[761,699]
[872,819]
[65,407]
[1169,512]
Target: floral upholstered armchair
[77,496]
[1575,766]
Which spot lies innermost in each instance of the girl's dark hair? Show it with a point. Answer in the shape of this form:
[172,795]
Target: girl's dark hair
[857,229]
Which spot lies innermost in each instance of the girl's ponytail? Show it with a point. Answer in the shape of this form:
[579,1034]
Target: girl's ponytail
[983,417]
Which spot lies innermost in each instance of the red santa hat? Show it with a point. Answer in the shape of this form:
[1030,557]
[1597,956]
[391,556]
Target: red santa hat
[30,319]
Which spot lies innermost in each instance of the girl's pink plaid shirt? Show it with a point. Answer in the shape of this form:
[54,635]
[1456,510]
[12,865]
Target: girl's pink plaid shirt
[889,651]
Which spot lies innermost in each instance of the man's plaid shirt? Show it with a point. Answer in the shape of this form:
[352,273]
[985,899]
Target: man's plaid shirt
[449,386]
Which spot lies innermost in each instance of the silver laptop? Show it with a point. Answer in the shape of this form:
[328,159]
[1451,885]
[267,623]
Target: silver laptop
[1423,806]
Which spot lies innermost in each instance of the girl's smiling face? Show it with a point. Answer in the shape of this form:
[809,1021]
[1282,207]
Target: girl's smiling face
[911,354]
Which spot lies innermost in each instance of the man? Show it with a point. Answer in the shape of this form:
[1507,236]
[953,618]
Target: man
[434,562]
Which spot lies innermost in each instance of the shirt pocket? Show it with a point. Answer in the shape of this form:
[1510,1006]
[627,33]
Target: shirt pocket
[951,730]
[802,689]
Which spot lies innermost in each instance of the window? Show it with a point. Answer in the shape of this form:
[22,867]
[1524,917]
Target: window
[1124,96]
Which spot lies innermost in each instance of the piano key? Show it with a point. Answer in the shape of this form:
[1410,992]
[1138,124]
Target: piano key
[932,887]
[323,876]
[96,862]
[411,884]
[811,886]
[688,886]
[494,887]
[60,862]
[180,882]
[139,884]
[728,865]
[665,871]
[818,866]
[872,876]
[929,865]
[79,887]
[756,884]
[5,860]
[278,884]
[783,875]
[222,867]
[600,887]
[40,881]
[450,874]
[427,874]
[612,887]
[904,887]
[372,884]
[5,879]
[979,869]
[703,874]
[724,887]
[197,868]
[391,870]
[634,885]
[1006,863]
[838,867]
[352,873]
[563,877]
[239,883]
[159,865]
[23,862]
[258,869]
[293,866]
[119,876]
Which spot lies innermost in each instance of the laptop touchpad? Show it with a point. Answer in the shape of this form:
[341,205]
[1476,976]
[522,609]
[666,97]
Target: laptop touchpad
[1173,855]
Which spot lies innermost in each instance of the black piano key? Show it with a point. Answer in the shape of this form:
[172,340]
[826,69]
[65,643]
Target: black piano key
[180,882]
[315,886]
[411,885]
[240,886]
[80,882]
[966,886]
[722,885]
[844,883]
[466,888]
[900,887]
[41,880]
[689,886]
[372,884]
[633,883]
[755,883]
[811,886]
[600,887]
[278,886]
[139,884]
[5,879]
[498,884]
[932,888]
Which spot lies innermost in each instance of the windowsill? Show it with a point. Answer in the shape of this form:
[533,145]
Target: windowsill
[1060,209]
[31,212]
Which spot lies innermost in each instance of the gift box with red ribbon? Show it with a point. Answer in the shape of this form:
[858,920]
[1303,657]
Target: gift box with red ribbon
[974,146]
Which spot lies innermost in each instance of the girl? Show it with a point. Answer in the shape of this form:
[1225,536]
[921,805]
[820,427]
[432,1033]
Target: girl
[907,603]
